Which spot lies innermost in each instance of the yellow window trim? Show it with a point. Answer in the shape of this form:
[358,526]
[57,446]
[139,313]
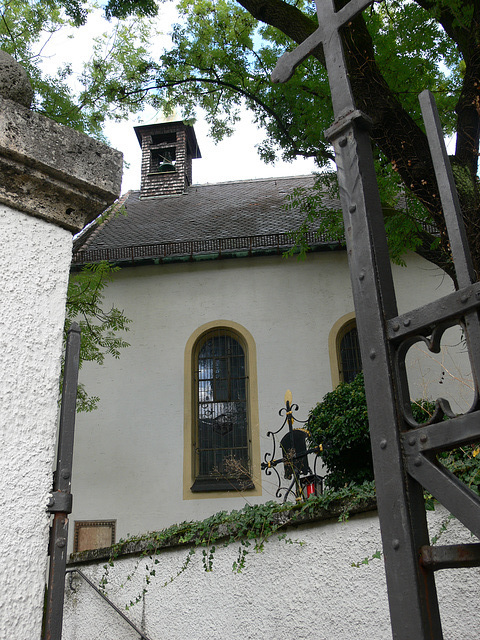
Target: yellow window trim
[191,348]
[342,326]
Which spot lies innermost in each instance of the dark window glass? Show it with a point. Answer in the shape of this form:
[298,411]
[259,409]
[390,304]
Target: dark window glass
[350,355]
[222,443]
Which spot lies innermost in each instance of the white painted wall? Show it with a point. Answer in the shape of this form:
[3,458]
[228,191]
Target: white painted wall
[34,263]
[306,592]
[129,453]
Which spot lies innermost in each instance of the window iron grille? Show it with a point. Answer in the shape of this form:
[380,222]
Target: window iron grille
[222,432]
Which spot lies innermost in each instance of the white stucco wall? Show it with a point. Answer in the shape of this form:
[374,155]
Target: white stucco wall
[307,592]
[129,453]
[34,263]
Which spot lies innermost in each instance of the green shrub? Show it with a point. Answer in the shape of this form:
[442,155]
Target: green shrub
[464,463]
[340,424]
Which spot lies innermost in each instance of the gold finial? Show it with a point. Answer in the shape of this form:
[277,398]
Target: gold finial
[288,397]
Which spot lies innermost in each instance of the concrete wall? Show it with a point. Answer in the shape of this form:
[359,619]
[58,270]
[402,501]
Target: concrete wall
[303,591]
[34,263]
[129,453]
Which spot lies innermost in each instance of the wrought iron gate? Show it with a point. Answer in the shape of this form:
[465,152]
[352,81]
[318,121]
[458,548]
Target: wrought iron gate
[60,504]
[404,452]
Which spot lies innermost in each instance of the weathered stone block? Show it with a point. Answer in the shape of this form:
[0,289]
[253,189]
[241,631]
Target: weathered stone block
[53,172]
[14,82]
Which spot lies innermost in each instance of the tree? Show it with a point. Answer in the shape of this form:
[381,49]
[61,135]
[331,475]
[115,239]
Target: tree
[78,12]
[222,56]
[340,424]
[118,66]
[224,52]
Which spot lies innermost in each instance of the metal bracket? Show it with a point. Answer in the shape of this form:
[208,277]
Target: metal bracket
[345,120]
[449,308]
[294,457]
[453,556]
[60,502]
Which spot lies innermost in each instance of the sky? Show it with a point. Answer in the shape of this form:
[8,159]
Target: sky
[235,158]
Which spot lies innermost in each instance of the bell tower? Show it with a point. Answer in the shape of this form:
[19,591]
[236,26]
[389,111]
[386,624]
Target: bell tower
[168,149]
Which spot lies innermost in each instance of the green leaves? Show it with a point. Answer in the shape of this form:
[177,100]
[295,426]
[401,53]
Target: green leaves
[340,424]
[222,59]
[375,556]
[123,8]
[464,463]
[251,526]
[101,330]
[116,70]
[405,37]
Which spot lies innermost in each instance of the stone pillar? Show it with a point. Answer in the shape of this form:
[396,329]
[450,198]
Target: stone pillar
[53,181]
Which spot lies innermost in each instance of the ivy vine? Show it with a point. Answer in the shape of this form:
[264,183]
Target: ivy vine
[250,527]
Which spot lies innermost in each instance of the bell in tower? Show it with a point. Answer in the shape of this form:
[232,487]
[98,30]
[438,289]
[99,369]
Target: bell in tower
[168,149]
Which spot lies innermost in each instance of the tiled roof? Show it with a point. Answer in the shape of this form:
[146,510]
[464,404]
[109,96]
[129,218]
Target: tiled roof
[247,215]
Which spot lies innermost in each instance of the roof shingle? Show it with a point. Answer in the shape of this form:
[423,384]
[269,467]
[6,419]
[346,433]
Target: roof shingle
[207,217]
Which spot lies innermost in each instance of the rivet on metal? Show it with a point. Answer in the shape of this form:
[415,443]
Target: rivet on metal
[372,354]
[65,474]
[352,208]
[406,322]
[396,544]
[342,142]
[383,444]
[396,326]
[464,298]
[423,437]
[61,542]
[361,275]
[412,440]
[418,461]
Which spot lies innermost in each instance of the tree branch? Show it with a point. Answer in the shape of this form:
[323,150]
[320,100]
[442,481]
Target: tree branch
[396,134]
[249,96]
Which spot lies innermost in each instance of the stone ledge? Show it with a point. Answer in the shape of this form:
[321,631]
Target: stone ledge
[53,172]
[283,519]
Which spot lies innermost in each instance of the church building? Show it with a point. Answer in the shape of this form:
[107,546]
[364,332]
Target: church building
[222,325]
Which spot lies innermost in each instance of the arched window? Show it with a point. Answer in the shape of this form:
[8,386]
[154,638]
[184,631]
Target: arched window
[221,412]
[345,359]
[349,354]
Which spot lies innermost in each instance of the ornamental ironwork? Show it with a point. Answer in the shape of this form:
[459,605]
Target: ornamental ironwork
[293,447]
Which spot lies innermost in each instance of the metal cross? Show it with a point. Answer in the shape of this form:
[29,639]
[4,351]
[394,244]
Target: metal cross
[403,451]
[328,34]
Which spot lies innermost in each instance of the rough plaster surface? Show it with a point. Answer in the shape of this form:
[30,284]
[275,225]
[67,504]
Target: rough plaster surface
[307,590]
[34,263]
